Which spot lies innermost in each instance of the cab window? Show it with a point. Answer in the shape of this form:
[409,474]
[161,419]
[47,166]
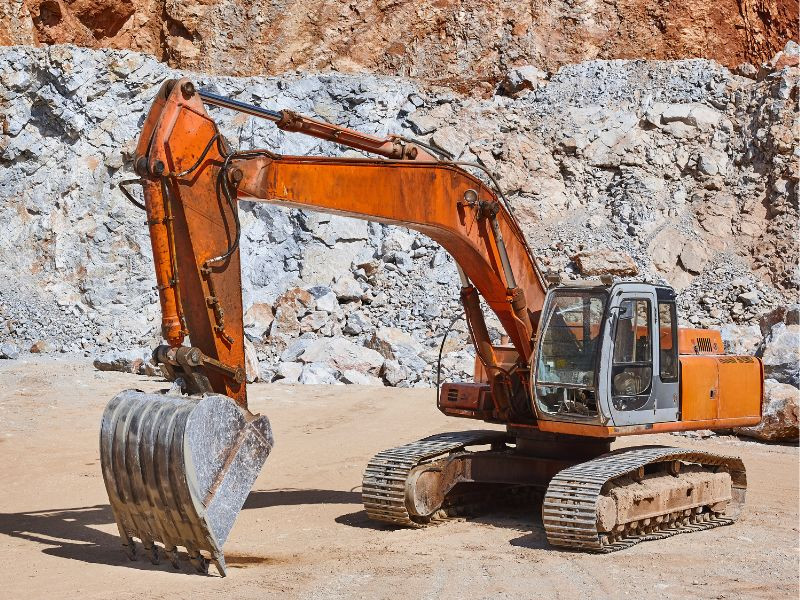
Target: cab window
[667,342]
[632,369]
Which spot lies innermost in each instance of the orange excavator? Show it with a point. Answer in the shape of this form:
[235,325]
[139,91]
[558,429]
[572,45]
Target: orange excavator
[584,362]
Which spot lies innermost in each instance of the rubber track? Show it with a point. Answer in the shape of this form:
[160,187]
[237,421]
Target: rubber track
[569,509]
[383,490]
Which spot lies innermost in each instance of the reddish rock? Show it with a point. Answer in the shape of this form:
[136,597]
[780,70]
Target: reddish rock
[604,261]
[41,347]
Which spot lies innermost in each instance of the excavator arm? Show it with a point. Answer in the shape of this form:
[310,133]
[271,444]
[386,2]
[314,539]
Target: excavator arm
[192,180]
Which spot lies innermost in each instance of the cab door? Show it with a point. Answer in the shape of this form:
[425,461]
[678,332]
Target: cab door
[636,393]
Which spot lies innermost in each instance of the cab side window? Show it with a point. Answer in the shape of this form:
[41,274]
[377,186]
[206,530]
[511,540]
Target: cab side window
[667,342]
[632,369]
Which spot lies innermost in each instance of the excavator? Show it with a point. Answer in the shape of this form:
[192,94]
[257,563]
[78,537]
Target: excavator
[581,362]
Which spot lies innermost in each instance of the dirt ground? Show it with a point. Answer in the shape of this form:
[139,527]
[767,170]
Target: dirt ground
[303,533]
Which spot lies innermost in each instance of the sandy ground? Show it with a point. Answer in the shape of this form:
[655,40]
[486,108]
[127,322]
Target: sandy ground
[303,533]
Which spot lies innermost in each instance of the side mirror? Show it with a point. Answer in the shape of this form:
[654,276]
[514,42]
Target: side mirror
[626,311]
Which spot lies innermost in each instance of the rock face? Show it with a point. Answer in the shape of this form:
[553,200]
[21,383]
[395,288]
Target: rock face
[682,166]
[468,44]
[780,420]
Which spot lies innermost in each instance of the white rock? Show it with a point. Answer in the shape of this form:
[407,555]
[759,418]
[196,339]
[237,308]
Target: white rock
[318,374]
[392,343]
[344,355]
[779,414]
[250,362]
[347,288]
[358,378]
[327,302]
[451,139]
[781,355]
[258,318]
[712,162]
[602,261]
[526,77]
[288,372]
[741,339]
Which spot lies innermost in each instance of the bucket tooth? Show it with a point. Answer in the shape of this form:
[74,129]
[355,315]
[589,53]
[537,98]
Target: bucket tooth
[153,553]
[178,469]
[172,555]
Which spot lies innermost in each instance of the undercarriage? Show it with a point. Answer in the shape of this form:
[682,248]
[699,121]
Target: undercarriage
[592,499]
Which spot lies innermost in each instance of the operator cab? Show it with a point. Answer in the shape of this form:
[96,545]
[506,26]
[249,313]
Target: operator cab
[608,355]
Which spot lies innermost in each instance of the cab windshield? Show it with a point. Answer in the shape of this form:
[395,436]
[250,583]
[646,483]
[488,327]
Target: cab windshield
[567,364]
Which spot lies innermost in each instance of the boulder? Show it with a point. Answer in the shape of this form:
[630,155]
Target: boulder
[288,372]
[321,264]
[347,288]
[712,162]
[332,229]
[693,115]
[295,348]
[741,339]
[526,77]
[357,323]
[298,298]
[394,343]
[394,373]
[250,362]
[357,378]
[450,139]
[781,354]
[135,360]
[318,374]
[258,318]
[694,257]
[327,302]
[665,249]
[314,321]
[750,298]
[343,354]
[786,314]
[9,350]
[604,261]
[285,321]
[780,412]
[397,240]
[422,123]
[41,347]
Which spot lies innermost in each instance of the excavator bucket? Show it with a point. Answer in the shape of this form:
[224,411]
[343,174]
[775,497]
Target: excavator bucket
[178,470]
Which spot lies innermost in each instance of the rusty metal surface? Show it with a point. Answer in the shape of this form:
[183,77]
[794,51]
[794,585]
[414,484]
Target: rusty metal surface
[657,494]
[178,469]
[570,507]
[413,485]
[422,196]
[180,157]
[383,491]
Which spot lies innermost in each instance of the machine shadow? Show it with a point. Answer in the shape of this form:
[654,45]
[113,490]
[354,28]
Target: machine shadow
[507,518]
[360,520]
[71,533]
[294,497]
